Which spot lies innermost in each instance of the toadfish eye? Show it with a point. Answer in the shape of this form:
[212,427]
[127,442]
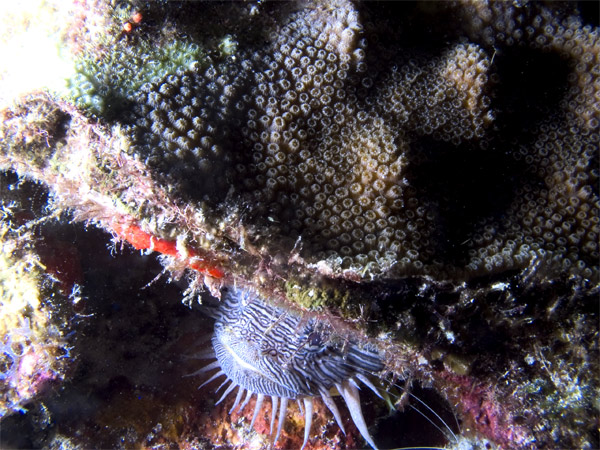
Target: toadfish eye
[314,339]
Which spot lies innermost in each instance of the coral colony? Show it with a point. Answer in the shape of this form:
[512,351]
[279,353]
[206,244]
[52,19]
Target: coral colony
[402,196]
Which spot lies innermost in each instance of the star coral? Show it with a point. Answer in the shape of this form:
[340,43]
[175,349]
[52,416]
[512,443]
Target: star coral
[325,142]
[424,172]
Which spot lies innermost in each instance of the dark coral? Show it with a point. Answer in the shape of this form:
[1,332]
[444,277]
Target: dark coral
[372,157]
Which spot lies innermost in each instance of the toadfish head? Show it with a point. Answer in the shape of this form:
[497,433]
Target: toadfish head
[271,351]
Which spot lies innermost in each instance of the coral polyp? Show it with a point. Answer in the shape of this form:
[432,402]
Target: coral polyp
[268,351]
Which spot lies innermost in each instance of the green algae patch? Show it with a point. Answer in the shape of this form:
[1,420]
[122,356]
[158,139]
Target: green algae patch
[318,295]
[106,86]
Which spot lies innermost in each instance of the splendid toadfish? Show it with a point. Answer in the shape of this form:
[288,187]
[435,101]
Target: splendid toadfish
[269,351]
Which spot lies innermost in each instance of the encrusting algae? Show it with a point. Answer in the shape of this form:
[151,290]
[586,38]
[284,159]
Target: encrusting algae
[421,176]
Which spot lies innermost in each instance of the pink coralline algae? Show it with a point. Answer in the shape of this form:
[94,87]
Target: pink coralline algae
[30,364]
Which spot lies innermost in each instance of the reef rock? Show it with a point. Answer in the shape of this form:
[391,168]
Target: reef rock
[427,173]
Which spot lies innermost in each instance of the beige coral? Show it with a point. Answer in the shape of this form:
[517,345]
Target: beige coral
[325,158]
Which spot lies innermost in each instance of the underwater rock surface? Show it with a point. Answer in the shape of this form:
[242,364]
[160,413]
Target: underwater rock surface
[38,295]
[423,175]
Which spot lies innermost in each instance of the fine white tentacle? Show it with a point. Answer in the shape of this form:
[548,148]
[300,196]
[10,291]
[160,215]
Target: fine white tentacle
[282,412]
[259,401]
[308,407]
[351,396]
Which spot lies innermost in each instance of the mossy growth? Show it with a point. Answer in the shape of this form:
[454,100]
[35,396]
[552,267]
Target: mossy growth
[318,294]
[33,129]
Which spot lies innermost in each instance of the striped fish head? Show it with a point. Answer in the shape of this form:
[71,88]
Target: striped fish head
[272,351]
